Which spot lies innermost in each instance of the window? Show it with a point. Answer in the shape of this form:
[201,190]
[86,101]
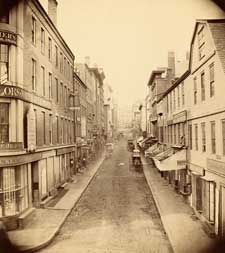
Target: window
[182,90]
[49,48]
[4,122]
[4,17]
[57,89]
[4,63]
[178,132]
[190,136]
[61,94]
[43,128]
[64,66]
[65,96]
[43,80]
[50,84]
[62,130]
[203,137]
[56,56]
[178,96]
[50,128]
[57,129]
[201,43]
[167,104]
[213,137]
[174,100]
[195,90]
[42,40]
[211,78]
[196,137]
[33,75]
[61,62]
[171,103]
[203,86]
[175,134]
[33,30]
[223,135]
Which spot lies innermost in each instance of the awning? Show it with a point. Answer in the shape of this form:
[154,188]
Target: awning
[174,162]
[140,139]
[151,149]
[164,154]
[207,178]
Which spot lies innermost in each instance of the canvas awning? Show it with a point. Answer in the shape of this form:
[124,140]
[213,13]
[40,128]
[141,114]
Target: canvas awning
[164,154]
[207,178]
[176,161]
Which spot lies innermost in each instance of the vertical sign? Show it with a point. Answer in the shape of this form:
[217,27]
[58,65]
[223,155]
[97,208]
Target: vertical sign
[31,129]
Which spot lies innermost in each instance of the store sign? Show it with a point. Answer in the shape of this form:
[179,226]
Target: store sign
[11,91]
[31,130]
[8,37]
[62,151]
[19,159]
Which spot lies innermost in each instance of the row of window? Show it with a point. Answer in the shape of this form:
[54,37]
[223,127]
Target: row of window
[202,127]
[176,99]
[203,86]
[172,134]
[58,130]
[60,61]
[55,90]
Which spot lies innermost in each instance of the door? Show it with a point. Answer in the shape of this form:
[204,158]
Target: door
[222,212]
[35,183]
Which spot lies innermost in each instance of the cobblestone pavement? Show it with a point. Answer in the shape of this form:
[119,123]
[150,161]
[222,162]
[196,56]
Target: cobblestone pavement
[115,214]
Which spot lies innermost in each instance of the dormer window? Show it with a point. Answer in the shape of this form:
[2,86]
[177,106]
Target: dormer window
[201,43]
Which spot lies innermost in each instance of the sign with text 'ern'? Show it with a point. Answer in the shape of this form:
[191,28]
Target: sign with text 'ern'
[8,37]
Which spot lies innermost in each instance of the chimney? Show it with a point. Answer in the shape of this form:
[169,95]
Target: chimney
[88,61]
[52,10]
[171,62]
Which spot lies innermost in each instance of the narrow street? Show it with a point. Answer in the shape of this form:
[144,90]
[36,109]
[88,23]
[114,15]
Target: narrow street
[116,213]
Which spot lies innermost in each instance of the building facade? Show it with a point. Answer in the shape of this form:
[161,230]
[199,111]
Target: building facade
[36,85]
[191,128]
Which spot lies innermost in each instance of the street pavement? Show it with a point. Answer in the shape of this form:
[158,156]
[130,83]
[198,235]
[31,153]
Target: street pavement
[116,213]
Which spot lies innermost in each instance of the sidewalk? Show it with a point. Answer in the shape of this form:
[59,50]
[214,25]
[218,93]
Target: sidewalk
[46,223]
[184,232]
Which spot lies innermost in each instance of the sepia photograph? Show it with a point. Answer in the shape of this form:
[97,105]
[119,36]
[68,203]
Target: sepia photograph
[112,126]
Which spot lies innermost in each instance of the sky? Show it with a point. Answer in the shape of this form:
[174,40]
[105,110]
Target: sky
[130,38]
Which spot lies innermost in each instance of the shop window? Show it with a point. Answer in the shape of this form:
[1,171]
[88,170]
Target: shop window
[4,63]
[4,122]
[13,190]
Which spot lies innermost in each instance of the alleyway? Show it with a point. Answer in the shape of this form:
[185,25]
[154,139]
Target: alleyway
[116,214]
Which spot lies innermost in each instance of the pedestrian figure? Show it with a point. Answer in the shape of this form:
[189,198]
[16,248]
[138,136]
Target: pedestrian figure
[84,162]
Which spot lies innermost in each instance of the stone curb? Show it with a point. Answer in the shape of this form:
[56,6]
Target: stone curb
[56,231]
[159,209]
